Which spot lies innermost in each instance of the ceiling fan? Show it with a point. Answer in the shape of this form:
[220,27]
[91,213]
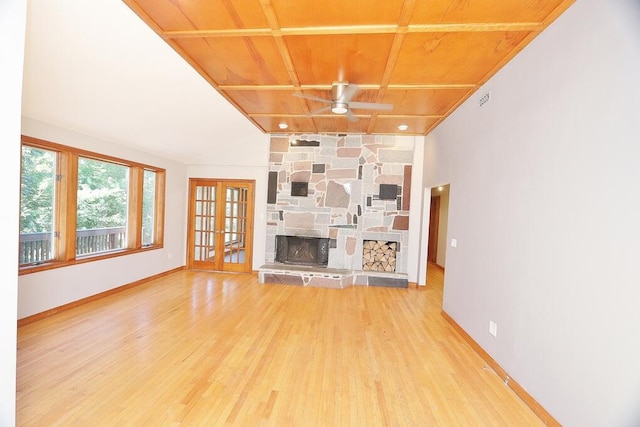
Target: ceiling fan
[340,102]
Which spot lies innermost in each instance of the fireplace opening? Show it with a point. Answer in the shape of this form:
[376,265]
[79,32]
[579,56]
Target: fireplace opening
[312,251]
[379,255]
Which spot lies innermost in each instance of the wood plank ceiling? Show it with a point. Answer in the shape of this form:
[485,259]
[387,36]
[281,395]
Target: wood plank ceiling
[424,57]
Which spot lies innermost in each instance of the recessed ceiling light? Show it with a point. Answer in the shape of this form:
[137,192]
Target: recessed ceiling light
[403,127]
[440,188]
[283,125]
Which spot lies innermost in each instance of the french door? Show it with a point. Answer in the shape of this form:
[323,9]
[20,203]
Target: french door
[220,225]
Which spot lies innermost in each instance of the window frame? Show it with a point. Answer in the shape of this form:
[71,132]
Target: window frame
[66,206]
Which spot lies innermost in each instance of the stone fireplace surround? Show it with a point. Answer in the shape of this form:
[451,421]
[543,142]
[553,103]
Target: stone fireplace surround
[345,176]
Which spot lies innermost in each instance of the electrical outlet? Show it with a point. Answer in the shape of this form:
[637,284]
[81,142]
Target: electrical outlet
[493,328]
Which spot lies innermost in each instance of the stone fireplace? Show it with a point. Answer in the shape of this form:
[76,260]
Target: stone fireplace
[358,190]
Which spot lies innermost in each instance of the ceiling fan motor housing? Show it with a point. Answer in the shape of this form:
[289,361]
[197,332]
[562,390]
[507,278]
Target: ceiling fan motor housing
[337,90]
[339,107]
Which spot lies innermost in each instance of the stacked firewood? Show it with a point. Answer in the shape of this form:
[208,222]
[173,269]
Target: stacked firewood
[378,255]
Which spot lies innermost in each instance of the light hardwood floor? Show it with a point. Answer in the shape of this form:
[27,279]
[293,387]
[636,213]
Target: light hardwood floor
[207,349]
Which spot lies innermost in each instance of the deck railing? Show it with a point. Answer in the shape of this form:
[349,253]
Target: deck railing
[37,247]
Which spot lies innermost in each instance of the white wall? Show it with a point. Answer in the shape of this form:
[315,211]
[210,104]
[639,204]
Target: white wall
[545,206]
[44,290]
[12,30]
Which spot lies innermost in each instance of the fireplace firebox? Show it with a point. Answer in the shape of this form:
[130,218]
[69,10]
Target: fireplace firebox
[301,250]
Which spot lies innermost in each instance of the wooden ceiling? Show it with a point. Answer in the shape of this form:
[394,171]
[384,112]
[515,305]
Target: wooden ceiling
[424,57]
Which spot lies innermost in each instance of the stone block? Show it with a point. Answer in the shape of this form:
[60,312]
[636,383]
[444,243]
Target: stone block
[301,176]
[302,166]
[406,202]
[337,196]
[401,222]
[279,145]
[395,156]
[322,219]
[295,157]
[374,148]
[344,163]
[350,245]
[299,220]
[275,157]
[360,279]
[379,229]
[389,179]
[282,279]
[389,282]
[349,152]
[368,139]
[354,140]
[342,173]
[325,282]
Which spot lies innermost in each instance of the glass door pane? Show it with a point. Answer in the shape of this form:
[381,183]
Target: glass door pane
[235,225]
[204,221]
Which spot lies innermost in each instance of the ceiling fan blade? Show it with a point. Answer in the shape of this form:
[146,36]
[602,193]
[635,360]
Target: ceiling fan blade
[349,115]
[320,110]
[371,105]
[313,98]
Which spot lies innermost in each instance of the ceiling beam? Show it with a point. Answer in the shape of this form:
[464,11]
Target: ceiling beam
[354,29]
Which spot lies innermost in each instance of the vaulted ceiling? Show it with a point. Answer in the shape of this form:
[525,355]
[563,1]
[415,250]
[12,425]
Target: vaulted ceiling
[423,57]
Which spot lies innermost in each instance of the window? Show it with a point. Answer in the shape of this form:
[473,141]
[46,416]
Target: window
[148,207]
[37,202]
[77,206]
[101,213]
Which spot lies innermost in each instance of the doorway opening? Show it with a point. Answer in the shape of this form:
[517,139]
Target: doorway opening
[437,238]
[220,225]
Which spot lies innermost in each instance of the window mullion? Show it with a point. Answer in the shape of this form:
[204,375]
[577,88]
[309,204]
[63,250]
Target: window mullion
[159,207]
[134,220]
[66,203]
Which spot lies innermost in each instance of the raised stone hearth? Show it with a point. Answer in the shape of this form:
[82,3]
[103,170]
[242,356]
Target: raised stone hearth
[305,276]
[328,277]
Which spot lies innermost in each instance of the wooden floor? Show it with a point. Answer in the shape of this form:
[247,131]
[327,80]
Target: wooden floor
[204,349]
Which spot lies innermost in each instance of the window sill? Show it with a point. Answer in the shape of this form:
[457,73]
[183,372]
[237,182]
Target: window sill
[51,265]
